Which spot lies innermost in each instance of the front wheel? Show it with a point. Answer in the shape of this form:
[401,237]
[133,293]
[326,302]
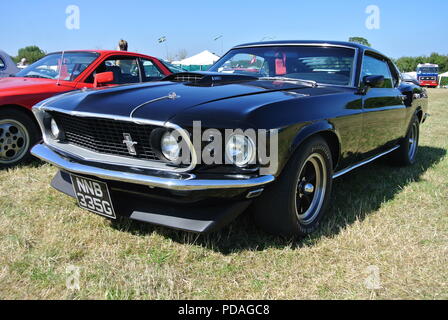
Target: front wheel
[296,203]
[18,133]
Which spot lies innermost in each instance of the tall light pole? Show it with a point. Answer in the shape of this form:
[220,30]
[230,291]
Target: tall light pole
[163,40]
[217,38]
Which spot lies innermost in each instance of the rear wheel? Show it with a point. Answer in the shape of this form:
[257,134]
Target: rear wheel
[18,133]
[407,153]
[296,203]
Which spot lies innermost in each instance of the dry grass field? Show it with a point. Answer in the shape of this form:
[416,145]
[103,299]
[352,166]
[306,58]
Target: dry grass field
[386,219]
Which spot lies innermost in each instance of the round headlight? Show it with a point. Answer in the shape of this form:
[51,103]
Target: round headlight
[54,129]
[170,147]
[240,150]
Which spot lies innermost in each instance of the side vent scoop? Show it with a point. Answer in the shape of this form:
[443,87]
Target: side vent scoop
[208,78]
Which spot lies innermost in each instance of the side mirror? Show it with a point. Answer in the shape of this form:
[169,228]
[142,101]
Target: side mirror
[103,78]
[373,81]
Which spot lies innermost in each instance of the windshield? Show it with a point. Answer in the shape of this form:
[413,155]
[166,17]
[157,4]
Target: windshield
[172,68]
[329,65]
[53,67]
[407,77]
[428,70]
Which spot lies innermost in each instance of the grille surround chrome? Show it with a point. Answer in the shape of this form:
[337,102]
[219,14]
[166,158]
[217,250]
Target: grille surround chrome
[42,112]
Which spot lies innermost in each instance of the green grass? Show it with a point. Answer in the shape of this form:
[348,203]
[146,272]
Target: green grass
[393,218]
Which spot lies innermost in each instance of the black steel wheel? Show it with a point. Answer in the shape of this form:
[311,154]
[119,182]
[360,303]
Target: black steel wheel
[407,153]
[296,203]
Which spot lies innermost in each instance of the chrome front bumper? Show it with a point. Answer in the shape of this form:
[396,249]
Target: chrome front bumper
[43,152]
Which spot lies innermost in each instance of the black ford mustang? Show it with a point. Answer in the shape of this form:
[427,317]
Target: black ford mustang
[324,108]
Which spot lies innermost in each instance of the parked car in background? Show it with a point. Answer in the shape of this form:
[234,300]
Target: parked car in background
[408,78]
[7,66]
[334,106]
[57,73]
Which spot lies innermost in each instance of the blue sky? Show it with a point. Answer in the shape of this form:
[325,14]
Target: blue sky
[406,27]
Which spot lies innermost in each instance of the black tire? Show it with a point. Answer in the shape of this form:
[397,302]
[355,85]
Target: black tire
[276,210]
[407,153]
[18,133]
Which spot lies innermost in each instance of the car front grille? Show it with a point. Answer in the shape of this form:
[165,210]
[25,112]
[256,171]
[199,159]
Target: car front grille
[106,135]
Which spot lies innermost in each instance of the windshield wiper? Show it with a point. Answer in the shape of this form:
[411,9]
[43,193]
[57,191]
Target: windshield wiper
[310,82]
[36,76]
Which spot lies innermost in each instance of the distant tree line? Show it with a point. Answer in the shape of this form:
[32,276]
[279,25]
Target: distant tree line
[409,64]
[30,53]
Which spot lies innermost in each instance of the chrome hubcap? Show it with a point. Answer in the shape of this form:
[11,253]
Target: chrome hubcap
[14,141]
[413,141]
[308,188]
[311,188]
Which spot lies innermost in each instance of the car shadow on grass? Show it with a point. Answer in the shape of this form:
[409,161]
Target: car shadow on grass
[355,196]
[34,163]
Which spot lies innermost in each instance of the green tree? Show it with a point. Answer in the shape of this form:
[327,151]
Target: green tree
[439,59]
[30,53]
[407,64]
[360,40]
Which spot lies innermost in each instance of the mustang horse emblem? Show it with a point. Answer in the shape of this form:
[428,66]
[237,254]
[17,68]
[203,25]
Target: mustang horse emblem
[129,144]
[170,96]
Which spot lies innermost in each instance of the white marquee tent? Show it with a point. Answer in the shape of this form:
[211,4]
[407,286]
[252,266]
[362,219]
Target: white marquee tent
[200,59]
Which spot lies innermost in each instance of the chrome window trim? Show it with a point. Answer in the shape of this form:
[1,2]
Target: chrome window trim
[87,155]
[355,57]
[275,44]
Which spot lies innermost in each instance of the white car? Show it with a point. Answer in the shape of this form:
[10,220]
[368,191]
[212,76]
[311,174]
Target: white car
[7,66]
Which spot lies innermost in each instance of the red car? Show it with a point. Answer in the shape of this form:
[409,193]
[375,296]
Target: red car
[57,73]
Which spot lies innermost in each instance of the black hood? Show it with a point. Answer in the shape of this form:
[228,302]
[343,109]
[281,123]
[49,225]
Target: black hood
[123,100]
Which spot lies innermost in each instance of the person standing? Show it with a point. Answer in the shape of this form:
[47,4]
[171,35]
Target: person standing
[123,45]
[22,64]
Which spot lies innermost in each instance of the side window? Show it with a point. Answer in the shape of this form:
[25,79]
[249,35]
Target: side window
[373,66]
[396,76]
[152,73]
[125,69]
[2,64]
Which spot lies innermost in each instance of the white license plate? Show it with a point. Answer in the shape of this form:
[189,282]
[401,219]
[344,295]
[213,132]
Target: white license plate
[93,195]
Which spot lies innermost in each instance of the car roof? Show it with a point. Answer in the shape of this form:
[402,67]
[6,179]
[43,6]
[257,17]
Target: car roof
[308,42]
[105,52]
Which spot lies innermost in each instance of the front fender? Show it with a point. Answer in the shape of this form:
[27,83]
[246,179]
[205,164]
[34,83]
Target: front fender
[324,128]
[310,130]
